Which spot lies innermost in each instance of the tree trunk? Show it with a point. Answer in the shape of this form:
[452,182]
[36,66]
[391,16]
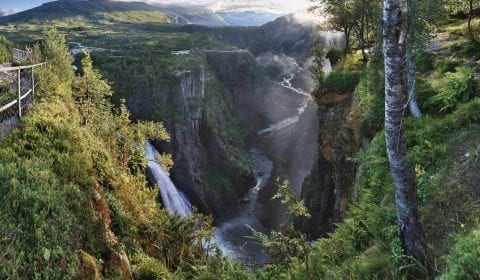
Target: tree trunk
[412,88]
[395,30]
[470,31]
[347,39]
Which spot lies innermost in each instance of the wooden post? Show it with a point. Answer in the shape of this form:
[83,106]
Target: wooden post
[33,85]
[19,96]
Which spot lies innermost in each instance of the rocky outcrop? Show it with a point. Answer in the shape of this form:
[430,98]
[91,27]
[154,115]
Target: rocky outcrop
[328,189]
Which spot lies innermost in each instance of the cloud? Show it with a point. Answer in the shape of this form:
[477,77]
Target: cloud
[6,12]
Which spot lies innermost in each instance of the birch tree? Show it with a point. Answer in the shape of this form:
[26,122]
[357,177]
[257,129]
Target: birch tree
[395,34]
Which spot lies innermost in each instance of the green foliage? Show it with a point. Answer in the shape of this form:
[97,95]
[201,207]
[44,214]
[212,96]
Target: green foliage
[288,243]
[445,64]
[287,197]
[285,245]
[339,81]
[464,260]
[5,50]
[40,216]
[334,55]
[452,90]
[317,68]
[213,267]
[424,62]
[370,96]
[149,268]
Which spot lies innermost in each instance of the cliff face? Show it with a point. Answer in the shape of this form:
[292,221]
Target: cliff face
[329,187]
[206,140]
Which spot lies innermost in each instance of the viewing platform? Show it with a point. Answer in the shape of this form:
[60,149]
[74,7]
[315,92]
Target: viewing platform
[17,89]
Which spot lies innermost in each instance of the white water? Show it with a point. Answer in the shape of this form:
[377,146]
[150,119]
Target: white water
[287,83]
[232,235]
[174,201]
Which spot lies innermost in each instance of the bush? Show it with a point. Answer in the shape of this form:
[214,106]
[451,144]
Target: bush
[5,46]
[464,260]
[151,269]
[424,61]
[39,216]
[451,90]
[334,55]
[444,64]
[339,81]
[369,97]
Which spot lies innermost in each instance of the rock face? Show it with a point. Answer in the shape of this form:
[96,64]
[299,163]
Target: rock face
[206,140]
[329,187]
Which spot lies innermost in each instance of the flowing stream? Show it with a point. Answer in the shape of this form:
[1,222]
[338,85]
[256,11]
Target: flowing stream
[232,235]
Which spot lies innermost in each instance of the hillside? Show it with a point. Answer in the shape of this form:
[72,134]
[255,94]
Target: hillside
[248,18]
[95,10]
[135,12]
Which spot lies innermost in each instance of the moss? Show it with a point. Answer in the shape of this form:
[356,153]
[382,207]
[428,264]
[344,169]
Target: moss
[89,269]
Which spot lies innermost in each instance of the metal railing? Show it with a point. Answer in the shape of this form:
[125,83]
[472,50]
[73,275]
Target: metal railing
[17,87]
[19,55]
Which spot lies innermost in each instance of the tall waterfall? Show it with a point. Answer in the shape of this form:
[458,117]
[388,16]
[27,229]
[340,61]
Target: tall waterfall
[174,201]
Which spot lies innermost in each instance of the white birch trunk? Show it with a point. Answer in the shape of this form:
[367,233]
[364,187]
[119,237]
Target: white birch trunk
[412,88]
[395,30]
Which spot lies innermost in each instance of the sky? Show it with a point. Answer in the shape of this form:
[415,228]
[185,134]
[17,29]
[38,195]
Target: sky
[279,6]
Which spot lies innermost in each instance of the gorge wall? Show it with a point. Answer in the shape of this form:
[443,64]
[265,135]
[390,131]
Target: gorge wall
[329,187]
[206,140]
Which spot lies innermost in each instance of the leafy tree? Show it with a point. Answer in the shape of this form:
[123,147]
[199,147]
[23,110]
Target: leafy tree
[341,16]
[464,9]
[288,243]
[5,46]
[359,18]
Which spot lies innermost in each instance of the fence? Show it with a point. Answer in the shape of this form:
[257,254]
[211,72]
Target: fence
[19,55]
[17,87]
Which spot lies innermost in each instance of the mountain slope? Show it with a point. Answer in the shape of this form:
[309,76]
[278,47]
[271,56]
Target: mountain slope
[292,35]
[91,10]
[193,15]
[247,18]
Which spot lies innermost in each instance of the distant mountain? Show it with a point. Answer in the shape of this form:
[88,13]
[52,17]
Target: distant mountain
[91,10]
[193,15]
[293,34]
[248,18]
[135,12]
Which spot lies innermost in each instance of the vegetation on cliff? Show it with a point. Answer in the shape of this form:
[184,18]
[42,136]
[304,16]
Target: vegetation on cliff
[74,197]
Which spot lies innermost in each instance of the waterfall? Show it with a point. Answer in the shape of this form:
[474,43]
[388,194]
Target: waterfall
[174,201]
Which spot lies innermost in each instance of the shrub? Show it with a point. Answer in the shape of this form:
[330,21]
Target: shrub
[369,97]
[464,260]
[452,89]
[424,61]
[443,65]
[339,81]
[151,269]
[334,55]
